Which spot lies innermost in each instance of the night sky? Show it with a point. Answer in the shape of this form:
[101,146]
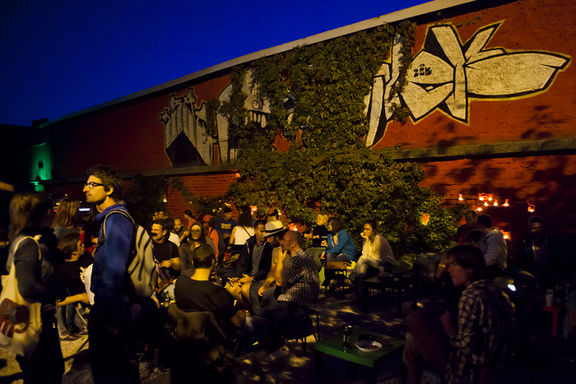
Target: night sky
[61,56]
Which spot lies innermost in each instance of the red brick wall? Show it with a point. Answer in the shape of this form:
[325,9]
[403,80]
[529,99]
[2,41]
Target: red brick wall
[549,182]
[207,185]
[526,25]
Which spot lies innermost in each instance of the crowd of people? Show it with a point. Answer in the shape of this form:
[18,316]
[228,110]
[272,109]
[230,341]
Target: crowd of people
[251,282]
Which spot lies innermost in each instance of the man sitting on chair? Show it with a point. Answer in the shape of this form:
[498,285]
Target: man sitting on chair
[300,289]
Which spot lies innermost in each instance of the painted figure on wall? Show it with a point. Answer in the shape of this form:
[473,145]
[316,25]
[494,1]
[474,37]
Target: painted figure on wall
[446,73]
[188,139]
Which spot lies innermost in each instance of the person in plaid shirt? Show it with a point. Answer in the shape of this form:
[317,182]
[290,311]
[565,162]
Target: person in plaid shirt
[483,335]
[300,289]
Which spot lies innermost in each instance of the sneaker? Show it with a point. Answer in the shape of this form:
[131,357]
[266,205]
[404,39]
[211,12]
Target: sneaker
[278,354]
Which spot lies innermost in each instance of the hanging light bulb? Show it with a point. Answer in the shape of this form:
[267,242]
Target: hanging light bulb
[506,203]
[479,209]
[495,203]
[460,197]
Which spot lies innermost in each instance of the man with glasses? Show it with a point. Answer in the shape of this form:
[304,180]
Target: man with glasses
[110,316]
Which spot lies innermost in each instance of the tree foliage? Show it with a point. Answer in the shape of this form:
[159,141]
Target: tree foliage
[321,90]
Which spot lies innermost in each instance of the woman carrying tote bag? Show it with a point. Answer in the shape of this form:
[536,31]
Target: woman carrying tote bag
[34,256]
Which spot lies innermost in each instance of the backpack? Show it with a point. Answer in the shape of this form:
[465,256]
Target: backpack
[143,266]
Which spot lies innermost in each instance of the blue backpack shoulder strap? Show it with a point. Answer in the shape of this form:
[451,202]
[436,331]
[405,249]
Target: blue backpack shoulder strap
[102,235]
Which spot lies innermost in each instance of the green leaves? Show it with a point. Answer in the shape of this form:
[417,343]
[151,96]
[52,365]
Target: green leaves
[320,90]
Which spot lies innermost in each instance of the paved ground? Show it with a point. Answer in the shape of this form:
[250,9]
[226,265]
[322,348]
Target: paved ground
[541,364]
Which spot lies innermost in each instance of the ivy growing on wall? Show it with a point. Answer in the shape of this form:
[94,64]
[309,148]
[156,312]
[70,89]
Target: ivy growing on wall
[320,91]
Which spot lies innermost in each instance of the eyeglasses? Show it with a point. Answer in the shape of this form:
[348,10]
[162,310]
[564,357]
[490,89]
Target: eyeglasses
[91,184]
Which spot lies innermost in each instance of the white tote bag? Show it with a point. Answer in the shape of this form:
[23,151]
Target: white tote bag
[20,321]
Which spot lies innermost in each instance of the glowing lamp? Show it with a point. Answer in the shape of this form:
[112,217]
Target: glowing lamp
[164,200]
[425,219]
[495,203]
[479,209]
[485,203]
[237,175]
[506,203]
[460,197]
[506,235]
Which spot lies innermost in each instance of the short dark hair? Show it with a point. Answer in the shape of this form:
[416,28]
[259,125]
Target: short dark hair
[109,178]
[160,222]
[295,236]
[68,244]
[245,219]
[203,256]
[372,223]
[336,223]
[259,222]
[469,256]
[485,221]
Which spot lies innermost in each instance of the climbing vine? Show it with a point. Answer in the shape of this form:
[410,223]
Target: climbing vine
[320,91]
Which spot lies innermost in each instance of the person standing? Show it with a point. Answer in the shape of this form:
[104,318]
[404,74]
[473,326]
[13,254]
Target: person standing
[33,252]
[109,321]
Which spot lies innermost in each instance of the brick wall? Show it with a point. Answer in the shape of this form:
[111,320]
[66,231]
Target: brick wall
[207,185]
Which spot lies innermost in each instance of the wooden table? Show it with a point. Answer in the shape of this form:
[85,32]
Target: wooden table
[333,346]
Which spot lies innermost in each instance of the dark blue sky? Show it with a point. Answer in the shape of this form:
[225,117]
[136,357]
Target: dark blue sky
[61,56]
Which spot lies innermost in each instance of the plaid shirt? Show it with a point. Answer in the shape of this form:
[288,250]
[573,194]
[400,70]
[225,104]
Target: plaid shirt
[485,332]
[301,282]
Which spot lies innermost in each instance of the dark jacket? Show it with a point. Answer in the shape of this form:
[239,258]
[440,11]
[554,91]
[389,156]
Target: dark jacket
[37,274]
[244,263]
[110,282]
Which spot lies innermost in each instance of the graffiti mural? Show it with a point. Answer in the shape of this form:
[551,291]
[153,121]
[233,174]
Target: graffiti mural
[445,74]
[189,141]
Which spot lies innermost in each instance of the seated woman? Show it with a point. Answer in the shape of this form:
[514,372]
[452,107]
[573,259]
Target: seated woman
[340,246]
[377,256]
[484,333]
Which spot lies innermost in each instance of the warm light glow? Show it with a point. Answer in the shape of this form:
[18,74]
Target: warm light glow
[237,175]
[485,203]
[253,208]
[506,235]
[495,203]
[425,219]
[506,203]
[490,197]
[460,197]
[481,197]
[164,200]
[479,209]
[531,207]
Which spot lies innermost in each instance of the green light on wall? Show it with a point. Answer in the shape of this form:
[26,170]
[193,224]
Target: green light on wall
[40,164]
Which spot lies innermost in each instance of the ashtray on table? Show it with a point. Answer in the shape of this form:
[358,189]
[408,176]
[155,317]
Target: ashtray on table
[368,345]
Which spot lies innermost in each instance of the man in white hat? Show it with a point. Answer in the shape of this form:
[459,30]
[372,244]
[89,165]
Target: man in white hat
[263,279]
